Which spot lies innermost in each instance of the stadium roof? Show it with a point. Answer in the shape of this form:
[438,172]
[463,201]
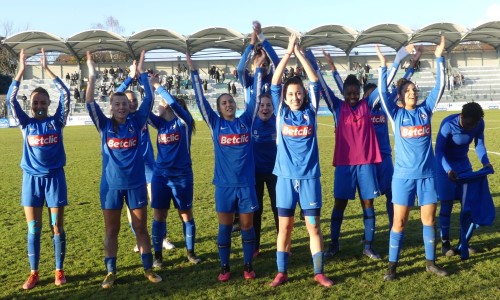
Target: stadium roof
[345,38]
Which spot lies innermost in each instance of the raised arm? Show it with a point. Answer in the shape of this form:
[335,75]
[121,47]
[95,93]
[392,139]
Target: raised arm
[389,106]
[432,100]
[21,66]
[208,114]
[257,28]
[45,66]
[243,74]
[278,73]
[147,101]
[313,77]
[14,107]
[62,110]
[89,93]
[335,74]
[130,78]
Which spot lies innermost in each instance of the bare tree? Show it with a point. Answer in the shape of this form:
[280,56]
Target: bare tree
[113,25]
[8,61]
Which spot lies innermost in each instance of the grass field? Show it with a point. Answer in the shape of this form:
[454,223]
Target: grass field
[356,276]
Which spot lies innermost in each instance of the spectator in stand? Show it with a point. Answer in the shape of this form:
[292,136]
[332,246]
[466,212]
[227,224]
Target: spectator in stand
[76,94]
[233,89]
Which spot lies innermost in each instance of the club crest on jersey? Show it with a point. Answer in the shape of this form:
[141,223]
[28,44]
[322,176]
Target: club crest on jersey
[306,117]
[243,127]
[130,129]
[234,139]
[50,126]
[415,131]
[423,116]
[297,131]
[125,143]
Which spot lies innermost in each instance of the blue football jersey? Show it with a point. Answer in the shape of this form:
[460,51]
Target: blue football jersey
[43,148]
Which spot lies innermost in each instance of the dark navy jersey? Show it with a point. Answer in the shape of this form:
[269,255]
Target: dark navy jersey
[452,145]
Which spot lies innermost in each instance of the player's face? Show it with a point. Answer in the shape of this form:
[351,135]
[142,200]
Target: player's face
[410,94]
[265,108]
[120,108]
[133,102]
[227,107]
[351,94]
[294,96]
[468,123]
[162,108]
[39,105]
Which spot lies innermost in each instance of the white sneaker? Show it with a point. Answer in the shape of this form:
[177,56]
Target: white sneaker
[136,248]
[168,245]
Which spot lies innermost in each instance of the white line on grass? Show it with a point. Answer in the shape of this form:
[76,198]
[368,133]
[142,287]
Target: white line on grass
[489,152]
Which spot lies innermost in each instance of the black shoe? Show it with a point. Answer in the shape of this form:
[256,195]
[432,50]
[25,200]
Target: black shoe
[457,251]
[447,250]
[390,273]
[333,250]
[193,258]
[433,268]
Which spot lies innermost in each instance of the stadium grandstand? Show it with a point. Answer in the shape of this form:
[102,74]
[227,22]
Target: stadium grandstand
[473,57]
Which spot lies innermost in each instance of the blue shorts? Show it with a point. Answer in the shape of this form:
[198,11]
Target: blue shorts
[446,189]
[51,189]
[176,188]
[361,177]
[236,199]
[405,190]
[385,169]
[135,198]
[291,191]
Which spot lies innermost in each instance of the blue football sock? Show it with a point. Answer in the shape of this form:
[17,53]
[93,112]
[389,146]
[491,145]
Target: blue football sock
[389,207]
[395,243]
[318,263]
[335,224]
[282,261]
[189,229]
[248,241]
[110,263]
[34,249]
[429,236]
[369,222]
[147,260]
[157,230]
[59,249]
[469,233]
[444,219]
[224,243]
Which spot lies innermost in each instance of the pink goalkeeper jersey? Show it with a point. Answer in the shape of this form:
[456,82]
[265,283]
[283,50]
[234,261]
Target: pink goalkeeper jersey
[355,138]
